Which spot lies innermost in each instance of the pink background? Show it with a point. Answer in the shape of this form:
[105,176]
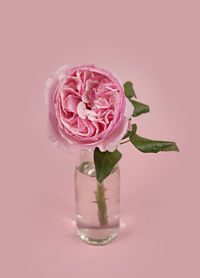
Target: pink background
[156,45]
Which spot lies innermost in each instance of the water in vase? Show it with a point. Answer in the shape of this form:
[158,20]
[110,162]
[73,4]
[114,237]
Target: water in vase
[97,205]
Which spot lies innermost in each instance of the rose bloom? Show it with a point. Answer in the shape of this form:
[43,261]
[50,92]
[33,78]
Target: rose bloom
[86,108]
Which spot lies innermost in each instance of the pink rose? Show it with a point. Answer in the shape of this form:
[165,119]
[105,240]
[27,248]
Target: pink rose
[87,108]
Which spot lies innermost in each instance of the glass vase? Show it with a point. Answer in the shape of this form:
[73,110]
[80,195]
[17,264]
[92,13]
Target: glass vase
[97,204]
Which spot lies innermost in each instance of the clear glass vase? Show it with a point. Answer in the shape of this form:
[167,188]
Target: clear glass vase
[97,204]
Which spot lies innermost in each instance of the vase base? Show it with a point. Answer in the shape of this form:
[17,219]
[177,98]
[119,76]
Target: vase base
[98,236]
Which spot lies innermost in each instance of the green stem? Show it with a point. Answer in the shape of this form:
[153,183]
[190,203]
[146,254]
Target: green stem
[101,203]
[124,142]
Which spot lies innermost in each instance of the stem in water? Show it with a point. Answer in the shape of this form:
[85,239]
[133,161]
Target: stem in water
[101,203]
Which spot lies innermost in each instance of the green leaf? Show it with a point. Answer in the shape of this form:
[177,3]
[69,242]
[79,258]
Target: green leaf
[140,108]
[131,133]
[105,162]
[152,146]
[128,89]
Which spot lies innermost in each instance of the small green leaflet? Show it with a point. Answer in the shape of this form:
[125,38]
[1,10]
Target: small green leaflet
[152,146]
[131,133]
[128,89]
[140,108]
[105,162]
